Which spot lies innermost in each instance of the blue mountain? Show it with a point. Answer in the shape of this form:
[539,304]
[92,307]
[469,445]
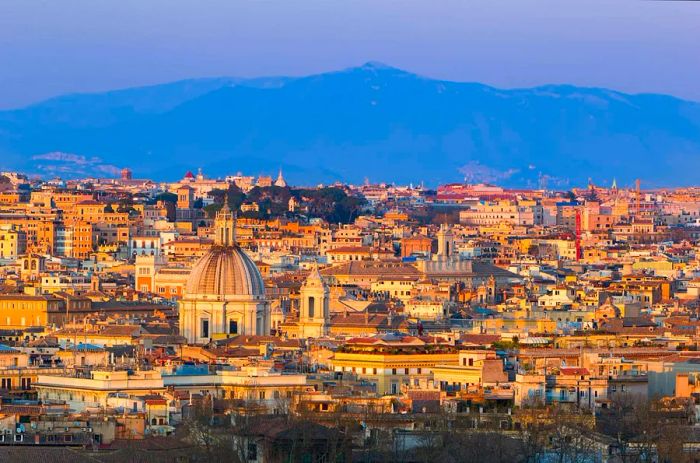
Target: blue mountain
[371,121]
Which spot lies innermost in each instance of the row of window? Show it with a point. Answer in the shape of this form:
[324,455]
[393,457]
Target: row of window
[394,371]
[25,383]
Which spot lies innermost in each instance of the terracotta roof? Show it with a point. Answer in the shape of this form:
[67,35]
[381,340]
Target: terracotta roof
[372,268]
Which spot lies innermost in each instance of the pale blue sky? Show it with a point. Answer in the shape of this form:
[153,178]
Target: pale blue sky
[53,47]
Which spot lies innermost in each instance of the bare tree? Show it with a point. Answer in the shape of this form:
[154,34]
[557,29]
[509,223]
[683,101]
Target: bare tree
[208,443]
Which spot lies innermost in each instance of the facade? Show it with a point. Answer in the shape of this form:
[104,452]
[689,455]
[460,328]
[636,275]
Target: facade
[13,242]
[390,363]
[95,390]
[23,311]
[492,213]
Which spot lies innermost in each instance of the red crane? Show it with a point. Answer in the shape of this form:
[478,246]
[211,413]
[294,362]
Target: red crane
[579,254]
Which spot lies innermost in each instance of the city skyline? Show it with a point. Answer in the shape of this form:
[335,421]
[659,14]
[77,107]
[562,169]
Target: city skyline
[350,231]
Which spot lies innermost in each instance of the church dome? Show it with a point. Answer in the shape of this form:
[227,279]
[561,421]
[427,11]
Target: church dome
[226,272]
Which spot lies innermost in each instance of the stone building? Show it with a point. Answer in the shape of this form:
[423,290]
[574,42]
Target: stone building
[225,292]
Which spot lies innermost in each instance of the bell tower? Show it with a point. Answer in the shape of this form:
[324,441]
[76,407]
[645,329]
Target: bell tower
[314,312]
[445,243]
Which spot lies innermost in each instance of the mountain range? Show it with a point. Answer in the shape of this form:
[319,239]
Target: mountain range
[371,122]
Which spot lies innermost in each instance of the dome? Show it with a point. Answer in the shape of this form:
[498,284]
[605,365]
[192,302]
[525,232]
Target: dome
[225,271]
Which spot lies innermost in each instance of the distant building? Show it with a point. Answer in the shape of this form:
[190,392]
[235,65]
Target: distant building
[280,182]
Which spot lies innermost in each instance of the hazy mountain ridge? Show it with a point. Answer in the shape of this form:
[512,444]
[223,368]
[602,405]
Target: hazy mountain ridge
[371,121]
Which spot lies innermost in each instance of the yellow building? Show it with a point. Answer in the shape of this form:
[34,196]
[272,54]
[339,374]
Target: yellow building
[22,311]
[390,362]
[475,368]
[13,242]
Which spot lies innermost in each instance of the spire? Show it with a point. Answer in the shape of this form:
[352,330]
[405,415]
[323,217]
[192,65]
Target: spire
[280,182]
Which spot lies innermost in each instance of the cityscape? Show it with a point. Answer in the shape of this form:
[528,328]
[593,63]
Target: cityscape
[349,322]
[336,232]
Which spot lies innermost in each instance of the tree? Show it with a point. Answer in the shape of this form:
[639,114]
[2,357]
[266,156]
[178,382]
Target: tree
[167,197]
[568,435]
[208,443]
[533,435]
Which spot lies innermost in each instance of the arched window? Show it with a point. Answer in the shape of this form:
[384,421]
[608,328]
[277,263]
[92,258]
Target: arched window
[311,303]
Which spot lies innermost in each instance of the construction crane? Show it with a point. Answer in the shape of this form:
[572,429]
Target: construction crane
[637,206]
[579,254]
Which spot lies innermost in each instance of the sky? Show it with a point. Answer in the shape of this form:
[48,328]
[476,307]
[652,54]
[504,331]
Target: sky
[50,47]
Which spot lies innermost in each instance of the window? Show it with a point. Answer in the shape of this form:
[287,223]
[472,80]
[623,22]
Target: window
[311,304]
[205,328]
[233,327]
